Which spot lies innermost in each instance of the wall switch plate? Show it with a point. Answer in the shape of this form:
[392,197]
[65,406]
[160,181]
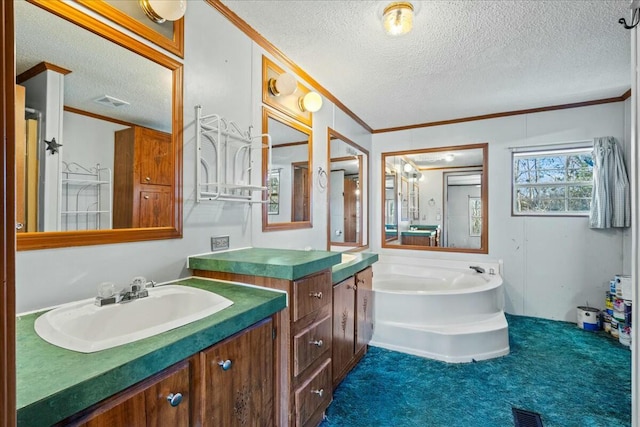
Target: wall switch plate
[219,243]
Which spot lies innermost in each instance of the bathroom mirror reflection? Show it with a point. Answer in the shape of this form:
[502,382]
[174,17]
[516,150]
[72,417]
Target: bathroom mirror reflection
[288,198]
[436,199]
[348,193]
[74,103]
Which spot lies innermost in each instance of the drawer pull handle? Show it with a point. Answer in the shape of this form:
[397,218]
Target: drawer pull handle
[174,399]
[226,365]
[361,281]
[146,197]
[315,295]
[354,287]
[318,392]
[317,343]
[148,178]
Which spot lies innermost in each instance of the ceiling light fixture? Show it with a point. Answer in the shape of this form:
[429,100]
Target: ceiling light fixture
[310,102]
[285,84]
[398,18]
[160,11]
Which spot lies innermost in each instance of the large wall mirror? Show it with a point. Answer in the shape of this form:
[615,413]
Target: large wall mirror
[114,107]
[287,201]
[348,225]
[436,199]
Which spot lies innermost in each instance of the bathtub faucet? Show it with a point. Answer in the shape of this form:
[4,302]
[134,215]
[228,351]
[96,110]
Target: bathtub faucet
[477,269]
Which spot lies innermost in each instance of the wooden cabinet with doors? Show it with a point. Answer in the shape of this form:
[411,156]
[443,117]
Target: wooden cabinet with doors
[228,384]
[237,374]
[303,347]
[143,179]
[352,322]
[163,399]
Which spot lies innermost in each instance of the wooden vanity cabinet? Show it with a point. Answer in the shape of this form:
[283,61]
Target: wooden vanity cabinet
[143,176]
[303,345]
[238,380]
[352,322]
[144,404]
[212,396]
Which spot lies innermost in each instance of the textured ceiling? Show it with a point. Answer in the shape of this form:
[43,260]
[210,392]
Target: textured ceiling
[98,67]
[463,58]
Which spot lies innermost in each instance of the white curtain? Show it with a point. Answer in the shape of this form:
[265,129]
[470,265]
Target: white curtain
[610,199]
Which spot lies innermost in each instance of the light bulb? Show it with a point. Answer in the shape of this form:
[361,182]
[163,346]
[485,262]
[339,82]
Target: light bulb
[164,10]
[407,167]
[398,18]
[285,84]
[311,102]
[449,157]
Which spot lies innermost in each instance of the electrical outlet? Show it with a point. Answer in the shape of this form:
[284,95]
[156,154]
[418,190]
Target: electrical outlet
[219,243]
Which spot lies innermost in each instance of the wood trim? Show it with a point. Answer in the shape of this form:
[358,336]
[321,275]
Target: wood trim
[626,95]
[507,114]
[59,239]
[78,17]
[7,211]
[332,133]
[174,45]
[282,118]
[40,68]
[283,104]
[275,52]
[98,116]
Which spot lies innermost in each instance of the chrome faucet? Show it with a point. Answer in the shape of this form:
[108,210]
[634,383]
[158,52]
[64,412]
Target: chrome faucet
[136,290]
[477,269]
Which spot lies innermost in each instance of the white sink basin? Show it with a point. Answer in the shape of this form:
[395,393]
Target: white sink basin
[348,257]
[82,326]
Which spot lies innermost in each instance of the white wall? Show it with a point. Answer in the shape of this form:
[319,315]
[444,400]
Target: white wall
[222,70]
[551,265]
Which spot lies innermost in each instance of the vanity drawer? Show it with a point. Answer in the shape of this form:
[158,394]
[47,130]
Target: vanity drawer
[313,396]
[311,293]
[310,344]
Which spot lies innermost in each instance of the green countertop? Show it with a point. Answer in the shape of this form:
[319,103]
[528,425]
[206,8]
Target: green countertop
[285,264]
[54,383]
[426,233]
[341,271]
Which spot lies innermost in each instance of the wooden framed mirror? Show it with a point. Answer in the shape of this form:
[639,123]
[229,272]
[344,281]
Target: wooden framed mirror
[288,180]
[348,193]
[436,199]
[168,35]
[109,82]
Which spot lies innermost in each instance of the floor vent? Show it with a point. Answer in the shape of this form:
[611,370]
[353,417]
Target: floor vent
[524,418]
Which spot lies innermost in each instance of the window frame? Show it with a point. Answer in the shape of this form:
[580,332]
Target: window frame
[531,152]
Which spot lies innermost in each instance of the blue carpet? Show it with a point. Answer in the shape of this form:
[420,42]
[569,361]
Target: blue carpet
[573,378]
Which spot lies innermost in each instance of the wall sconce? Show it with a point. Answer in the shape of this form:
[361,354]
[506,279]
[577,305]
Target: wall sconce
[285,84]
[160,11]
[311,102]
[397,18]
[635,16]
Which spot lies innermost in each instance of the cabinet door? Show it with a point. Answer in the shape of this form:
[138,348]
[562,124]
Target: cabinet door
[364,308]
[145,404]
[155,208]
[240,393]
[343,325]
[155,157]
[130,412]
[160,410]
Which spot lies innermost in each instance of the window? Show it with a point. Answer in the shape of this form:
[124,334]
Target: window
[552,182]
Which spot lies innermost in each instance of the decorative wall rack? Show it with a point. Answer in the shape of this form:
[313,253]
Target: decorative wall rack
[224,161]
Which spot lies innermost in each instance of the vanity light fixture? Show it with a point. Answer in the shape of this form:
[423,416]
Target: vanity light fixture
[310,102]
[160,11]
[407,167]
[285,84]
[398,18]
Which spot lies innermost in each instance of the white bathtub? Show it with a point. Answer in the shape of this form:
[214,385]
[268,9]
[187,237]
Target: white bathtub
[439,309]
